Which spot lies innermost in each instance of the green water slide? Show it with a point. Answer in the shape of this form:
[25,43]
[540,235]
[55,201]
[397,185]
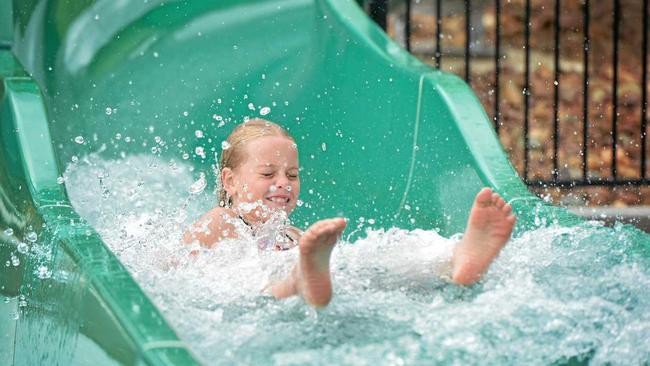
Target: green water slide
[382,136]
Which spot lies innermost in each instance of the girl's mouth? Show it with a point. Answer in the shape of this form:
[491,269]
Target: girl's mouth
[281,200]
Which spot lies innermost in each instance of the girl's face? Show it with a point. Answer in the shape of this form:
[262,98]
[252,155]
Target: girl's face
[269,174]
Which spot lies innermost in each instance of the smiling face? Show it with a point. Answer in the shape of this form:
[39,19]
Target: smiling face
[268,174]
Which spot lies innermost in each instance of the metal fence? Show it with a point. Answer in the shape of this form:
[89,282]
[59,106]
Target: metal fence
[379,10]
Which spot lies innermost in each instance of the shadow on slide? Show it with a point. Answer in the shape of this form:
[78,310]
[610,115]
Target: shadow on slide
[381,135]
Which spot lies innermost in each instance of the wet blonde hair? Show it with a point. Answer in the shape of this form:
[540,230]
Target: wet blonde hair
[233,156]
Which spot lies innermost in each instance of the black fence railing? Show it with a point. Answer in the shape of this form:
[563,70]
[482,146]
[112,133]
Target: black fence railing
[590,171]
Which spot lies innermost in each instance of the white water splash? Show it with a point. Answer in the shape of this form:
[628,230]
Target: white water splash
[553,295]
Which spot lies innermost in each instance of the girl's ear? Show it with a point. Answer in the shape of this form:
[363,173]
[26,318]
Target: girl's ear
[228,180]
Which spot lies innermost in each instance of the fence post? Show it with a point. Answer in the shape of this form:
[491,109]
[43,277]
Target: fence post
[379,12]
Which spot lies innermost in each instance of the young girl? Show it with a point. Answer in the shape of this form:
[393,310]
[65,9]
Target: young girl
[260,182]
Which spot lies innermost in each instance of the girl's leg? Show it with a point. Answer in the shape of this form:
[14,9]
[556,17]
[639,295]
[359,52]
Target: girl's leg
[488,229]
[310,278]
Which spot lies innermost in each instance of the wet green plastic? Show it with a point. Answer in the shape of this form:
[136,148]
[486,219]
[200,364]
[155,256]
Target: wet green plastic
[381,136]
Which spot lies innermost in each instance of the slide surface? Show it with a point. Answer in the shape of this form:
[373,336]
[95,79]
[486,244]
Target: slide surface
[381,136]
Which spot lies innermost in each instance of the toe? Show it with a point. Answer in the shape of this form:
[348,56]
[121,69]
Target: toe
[500,203]
[338,223]
[495,198]
[329,228]
[332,226]
[484,196]
[321,225]
[507,209]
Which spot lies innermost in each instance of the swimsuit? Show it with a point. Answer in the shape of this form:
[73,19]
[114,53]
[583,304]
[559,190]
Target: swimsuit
[270,241]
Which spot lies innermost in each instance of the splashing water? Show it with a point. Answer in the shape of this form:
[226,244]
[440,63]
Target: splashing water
[554,294]
[198,186]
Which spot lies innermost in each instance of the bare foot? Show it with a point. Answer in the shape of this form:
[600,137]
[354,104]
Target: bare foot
[313,270]
[488,229]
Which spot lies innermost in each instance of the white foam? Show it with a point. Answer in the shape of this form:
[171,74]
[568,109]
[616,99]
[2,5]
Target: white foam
[554,294]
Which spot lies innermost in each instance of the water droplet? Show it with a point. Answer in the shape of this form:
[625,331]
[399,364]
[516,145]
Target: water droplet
[74,159]
[225,145]
[200,151]
[186,113]
[289,188]
[109,111]
[198,133]
[31,236]
[22,247]
[60,180]
[299,203]
[251,106]
[15,260]
[323,146]
[9,232]
[273,188]
[79,139]
[186,156]
[265,110]
[371,221]
[217,117]
[155,54]
[43,272]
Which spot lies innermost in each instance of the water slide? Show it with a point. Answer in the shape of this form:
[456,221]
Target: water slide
[382,136]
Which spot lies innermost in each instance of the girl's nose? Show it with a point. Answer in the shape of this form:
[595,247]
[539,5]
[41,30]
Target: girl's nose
[282,182]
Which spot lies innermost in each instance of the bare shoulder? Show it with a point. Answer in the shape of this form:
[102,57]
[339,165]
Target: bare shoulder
[212,227]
